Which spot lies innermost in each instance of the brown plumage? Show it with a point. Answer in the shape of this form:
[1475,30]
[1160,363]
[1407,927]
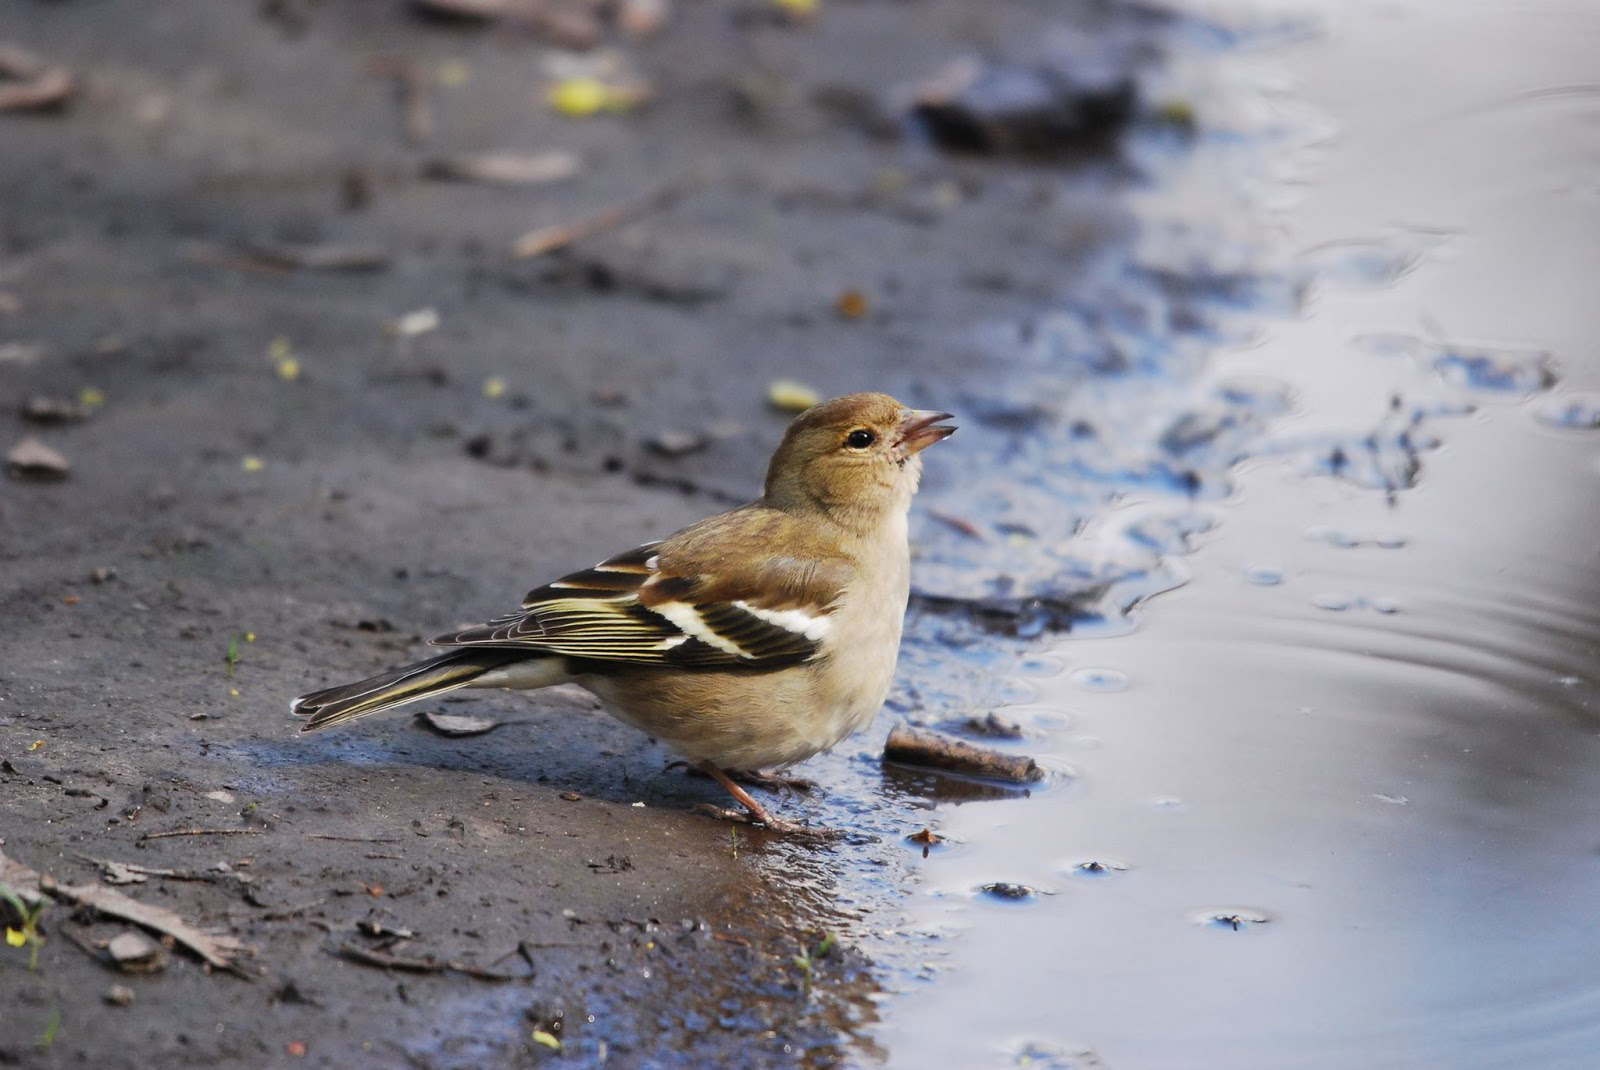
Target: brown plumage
[752,639]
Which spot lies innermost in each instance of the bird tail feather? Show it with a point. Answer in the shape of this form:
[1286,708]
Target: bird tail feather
[436,676]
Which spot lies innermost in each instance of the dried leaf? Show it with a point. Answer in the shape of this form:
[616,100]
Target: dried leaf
[312,257]
[455,724]
[216,948]
[28,83]
[506,168]
[32,460]
[414,323]
[583,96]
[42,410]
[677,443]
[786,395]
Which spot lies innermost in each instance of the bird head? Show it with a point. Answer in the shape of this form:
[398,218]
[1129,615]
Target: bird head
[854,458]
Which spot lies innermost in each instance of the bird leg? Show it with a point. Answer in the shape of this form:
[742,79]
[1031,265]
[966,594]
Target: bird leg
[755,778]
[760,778]
[758,814]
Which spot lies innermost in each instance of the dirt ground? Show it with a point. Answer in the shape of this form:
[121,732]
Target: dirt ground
[275,488]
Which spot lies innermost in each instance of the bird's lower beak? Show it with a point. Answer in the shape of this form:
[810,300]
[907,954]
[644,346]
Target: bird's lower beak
[920,428]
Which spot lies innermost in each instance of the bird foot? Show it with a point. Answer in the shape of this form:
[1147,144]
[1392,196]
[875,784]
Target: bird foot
[757,778]
[779,825]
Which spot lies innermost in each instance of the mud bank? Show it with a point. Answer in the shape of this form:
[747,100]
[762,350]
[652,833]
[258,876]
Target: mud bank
[288,475]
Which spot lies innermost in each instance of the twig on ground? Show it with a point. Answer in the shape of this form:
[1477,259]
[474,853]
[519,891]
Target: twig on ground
[197,832]
[919,746]
[420,965]
[549,239]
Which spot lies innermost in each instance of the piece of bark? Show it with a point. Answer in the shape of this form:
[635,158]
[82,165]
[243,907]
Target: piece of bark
[919,746]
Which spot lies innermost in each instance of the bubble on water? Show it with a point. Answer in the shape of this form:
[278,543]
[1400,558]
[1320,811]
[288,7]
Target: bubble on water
[1580,412]
[1383,604]
[1169,803]
[1345,540]
[1092,679]
[1052,720]
[1041,665]
[1570,681]
[1336,603]
[1264,575]
[1037,1055]
[1332,536]
[1234,919]
[1014,692]
[1367,262]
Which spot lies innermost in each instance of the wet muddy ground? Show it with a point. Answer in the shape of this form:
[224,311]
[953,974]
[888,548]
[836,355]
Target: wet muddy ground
[283,481]
[1269,529]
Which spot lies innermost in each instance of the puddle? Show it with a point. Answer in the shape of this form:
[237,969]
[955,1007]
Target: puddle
[1292,560]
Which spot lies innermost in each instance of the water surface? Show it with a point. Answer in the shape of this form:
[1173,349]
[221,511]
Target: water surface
[1329,702]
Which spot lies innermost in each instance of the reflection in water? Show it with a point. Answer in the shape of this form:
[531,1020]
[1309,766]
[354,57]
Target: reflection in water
[1341,808]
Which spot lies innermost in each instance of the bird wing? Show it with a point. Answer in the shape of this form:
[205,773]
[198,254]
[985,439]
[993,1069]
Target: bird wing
[644,607]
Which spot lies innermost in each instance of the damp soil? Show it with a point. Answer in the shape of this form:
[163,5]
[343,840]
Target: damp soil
[287,467]
[1267,535]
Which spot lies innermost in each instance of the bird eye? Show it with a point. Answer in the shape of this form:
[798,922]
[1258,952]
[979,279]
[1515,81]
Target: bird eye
[860,439]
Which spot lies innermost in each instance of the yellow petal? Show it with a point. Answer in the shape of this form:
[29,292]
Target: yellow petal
[578,97]
[548,1040]
[16,937]
[790,396]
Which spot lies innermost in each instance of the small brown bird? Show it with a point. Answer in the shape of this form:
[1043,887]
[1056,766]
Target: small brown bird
[748,641]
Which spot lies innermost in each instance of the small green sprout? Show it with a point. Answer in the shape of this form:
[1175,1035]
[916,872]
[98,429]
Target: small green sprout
[48,1037]
[28,935]
[807,960]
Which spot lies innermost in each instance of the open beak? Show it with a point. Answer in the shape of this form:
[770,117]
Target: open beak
[920,428]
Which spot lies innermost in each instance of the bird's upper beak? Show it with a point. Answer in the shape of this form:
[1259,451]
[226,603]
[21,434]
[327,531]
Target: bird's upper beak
[920,428]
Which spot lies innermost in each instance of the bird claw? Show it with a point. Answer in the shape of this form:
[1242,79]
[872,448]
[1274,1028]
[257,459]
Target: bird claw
[775,781]
[753,777]
[781,826]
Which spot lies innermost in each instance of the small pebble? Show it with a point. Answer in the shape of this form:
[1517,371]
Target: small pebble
[32,460]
